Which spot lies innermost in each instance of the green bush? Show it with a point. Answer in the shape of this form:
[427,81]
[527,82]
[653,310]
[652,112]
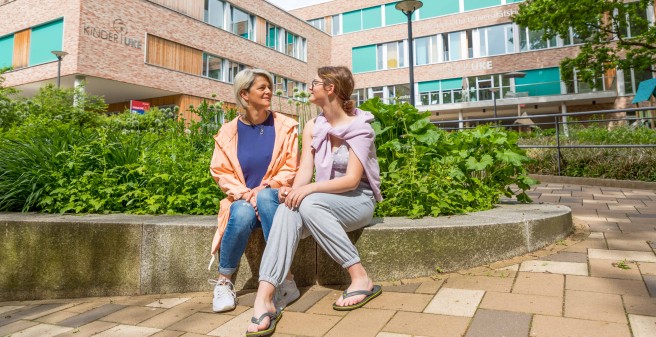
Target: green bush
[618,163]
[58,158]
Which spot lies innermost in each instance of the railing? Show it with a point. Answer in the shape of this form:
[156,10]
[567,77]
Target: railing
[561,123]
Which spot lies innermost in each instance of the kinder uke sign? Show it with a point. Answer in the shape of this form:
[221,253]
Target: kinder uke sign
[139,107]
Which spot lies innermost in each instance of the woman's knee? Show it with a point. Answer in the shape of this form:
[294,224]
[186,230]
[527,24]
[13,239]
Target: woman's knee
[242,213]
[267,195]
[310,203]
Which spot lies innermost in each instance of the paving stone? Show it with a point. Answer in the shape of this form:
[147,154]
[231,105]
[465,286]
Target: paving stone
[89,329]
[567,257]
[325,305]
[606,285]
[392,334]
[642,216]
[596,235]
[493,323]
[8,329]
[201,323]
[9,308]
[86,306]
[621,255]
[640,305]
[554,267]
[236,326]
[604,227]
[455,302]
[172,315]
[128,331]
[168,303]
[514,267]
[56,317]
[539,284]
[583,246]
[630,242]
[643,326]
[42,330]
[301,324]
[418,324]
[500,284]
[650,282]
[171,333]
[594,306]
[402,288]
[547,305]
[400,301]
[647,268]
[429,287]
[132,315]
[569,327]
[361,322]
[28,312]
[247,299]
[309,298]
[91,315]
[605,268]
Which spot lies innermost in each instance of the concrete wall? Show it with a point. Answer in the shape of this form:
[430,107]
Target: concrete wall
[55,256]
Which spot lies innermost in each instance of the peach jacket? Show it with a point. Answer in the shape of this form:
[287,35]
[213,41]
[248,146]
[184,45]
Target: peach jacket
[226,171]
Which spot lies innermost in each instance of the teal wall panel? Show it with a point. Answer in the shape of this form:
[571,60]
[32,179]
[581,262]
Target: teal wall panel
[6,50]
[364,58]
[434,8]
[539,82]
[393,15]
[372,17]
[429,86]
[476,4]
[452,83]
[43,40]
[352,21]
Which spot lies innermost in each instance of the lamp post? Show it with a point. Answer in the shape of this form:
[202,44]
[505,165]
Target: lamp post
[60,56]
[515,74]
[408,7]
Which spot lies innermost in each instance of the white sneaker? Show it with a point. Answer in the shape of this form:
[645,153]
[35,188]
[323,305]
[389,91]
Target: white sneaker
[286,293]
[224,295]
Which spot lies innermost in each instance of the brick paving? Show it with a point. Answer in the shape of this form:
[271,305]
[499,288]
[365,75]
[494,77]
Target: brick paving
[600,281]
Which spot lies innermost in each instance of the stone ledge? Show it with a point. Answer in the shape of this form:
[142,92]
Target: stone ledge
[55,256]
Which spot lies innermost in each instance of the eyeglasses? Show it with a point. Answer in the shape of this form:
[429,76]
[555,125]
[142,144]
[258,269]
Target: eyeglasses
[315,82]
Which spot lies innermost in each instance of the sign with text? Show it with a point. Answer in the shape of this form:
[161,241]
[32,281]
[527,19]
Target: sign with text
[118,33]
[139,107]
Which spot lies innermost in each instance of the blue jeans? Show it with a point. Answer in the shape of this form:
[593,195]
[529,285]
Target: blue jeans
[241,223]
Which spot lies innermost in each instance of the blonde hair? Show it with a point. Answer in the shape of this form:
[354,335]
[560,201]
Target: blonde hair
[244,80]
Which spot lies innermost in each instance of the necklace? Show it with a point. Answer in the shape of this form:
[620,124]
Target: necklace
[253,125]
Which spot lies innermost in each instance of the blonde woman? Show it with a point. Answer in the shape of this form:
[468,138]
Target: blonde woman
[255,155]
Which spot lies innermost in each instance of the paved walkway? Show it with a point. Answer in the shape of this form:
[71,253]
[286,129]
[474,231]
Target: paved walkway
[599,282]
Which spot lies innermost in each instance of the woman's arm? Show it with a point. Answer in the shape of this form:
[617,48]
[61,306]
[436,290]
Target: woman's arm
[225,176]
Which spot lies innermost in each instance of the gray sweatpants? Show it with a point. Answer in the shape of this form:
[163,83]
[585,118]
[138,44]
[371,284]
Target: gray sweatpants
[325,216]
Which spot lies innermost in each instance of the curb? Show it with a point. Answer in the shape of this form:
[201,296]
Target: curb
[632,184]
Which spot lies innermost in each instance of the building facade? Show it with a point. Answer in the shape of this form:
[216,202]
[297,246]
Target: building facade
[166,52]
[465,51]
[180,52]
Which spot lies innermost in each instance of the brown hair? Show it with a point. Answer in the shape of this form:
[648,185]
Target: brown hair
[342,79]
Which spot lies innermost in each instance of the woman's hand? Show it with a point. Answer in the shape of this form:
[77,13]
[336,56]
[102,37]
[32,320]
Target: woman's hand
[296,195]
[251,197]
[282,193]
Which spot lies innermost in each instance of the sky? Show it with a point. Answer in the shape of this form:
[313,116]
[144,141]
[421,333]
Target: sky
[293,4]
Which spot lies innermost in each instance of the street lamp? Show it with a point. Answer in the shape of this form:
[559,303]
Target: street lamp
[408,7]
[60,56]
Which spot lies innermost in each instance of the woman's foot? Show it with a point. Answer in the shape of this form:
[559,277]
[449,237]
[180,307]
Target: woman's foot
[356,284]
[261,307]
[224,295]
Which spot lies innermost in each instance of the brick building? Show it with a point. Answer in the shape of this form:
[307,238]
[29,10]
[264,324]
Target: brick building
[175,52]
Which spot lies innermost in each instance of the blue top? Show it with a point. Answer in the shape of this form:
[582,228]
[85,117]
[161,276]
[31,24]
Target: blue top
[255,149]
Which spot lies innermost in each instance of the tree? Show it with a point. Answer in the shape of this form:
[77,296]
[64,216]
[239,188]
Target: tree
[613,33]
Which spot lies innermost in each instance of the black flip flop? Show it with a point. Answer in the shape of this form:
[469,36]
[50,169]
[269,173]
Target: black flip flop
[370,294]
[273,320]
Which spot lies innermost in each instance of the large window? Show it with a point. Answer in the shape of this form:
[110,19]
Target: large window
[532,40]
[399,91]
[452,46]
[426,50]
[272,36]
[391,55]
[319,23]
[212,66]
[337,24]
[242,23]
[214,13]
[635,21]
[295,46]
[633,77]
[233,68]
[359,96]
[496,40]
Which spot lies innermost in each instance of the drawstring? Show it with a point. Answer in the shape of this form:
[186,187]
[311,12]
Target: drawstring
[209,266]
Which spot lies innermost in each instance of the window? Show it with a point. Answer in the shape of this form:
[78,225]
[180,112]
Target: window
[633,77]
[43,40]
[359,96]
[426,50]
[212,66]
[573,38]
[400,91]
[233,69]
[635,20]
[279,83]
[242,23]
[214,13]
[337,24]
[452,46]
[532,40]
[496,40]
[378,92]
[319,23]
[295,46]
[272,40]
[393,55]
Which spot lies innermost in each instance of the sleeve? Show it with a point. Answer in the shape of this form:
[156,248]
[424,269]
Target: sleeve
[224,174]
[285,176]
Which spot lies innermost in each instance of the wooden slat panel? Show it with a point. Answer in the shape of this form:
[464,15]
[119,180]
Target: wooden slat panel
[21,49]
[193,8]
[610,78]
[260,28]
[174,56]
